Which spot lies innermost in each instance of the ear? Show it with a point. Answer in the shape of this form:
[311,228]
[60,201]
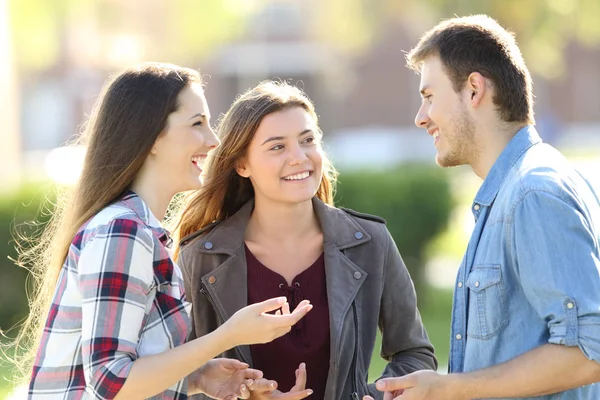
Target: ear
[476,88]
[242,169]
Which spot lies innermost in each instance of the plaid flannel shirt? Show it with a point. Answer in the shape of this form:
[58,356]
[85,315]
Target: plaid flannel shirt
[119,297]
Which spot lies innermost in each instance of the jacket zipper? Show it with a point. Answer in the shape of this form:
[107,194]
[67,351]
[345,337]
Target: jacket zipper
[206,294]
[354,395]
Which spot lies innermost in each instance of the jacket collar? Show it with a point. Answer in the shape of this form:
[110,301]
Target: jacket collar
[227,284]
[339,230]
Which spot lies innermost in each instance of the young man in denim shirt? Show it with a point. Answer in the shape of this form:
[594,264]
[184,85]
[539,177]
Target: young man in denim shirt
[526,313]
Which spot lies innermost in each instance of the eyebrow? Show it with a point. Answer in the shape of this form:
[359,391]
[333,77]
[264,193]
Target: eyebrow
[201,115]
[275,138]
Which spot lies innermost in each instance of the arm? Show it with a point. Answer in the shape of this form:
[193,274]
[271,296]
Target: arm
[405,344]
[563,249]
[115,273]
[115,276]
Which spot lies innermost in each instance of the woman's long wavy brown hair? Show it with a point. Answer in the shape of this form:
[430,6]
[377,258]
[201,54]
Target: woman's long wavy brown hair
[224,191]
[129,116]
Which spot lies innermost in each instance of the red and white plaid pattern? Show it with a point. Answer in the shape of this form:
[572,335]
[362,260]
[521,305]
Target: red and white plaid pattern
[119,297]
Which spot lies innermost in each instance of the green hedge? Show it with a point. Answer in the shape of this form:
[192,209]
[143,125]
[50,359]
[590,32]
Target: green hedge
[18,209]
[414,199]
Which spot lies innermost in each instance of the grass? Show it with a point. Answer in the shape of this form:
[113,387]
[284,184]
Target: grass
[435,306]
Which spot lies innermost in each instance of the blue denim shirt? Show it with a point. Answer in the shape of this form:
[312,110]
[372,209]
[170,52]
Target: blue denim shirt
[531,272]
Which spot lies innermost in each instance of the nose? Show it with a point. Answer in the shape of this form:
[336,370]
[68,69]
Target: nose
[297,155]
[211,139]
[422,117]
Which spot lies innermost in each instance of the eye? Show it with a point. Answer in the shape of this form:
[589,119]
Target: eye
[277,147]
[198,123]
[309,140]
[428,97]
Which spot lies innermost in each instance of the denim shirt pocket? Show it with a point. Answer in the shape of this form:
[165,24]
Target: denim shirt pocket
[487,314]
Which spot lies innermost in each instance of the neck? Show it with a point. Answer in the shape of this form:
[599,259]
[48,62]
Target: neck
[279,222]
[154,193]
[493,139]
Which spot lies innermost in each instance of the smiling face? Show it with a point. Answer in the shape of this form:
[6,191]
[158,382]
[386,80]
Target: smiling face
[284,159]
[444,115]
[179,153]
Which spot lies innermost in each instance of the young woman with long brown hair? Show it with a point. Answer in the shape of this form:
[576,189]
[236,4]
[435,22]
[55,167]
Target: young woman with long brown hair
[264,224]
[110,299]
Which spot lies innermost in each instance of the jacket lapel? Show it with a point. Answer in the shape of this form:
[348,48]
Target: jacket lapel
[227,284]
[344,278]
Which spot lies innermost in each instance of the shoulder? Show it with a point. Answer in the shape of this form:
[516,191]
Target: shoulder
[115,222]
[374,225]
[363,216]
[192,240]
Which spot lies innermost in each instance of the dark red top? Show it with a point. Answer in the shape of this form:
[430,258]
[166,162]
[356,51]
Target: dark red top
[308,341]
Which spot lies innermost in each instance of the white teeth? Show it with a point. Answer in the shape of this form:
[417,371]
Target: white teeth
[436,135]
[297,177]
[197,160]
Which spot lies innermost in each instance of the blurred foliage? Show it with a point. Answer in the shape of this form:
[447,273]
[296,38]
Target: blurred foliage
[183,30]
[17,211]
[415,200]
[543,27]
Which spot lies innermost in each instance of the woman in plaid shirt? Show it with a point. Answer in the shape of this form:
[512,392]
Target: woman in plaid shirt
[117,319]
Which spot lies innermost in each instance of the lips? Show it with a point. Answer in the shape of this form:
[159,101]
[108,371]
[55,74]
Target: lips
[299,176]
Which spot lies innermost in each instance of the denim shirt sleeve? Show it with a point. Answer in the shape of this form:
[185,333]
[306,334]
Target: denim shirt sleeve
[555,249]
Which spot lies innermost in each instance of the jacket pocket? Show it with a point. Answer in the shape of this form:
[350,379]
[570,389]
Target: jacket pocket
[487,314]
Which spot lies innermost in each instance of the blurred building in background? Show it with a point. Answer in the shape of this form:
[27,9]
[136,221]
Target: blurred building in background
[347,55]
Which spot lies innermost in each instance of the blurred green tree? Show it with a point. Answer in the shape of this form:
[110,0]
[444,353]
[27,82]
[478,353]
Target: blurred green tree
[543,27]
[47,32]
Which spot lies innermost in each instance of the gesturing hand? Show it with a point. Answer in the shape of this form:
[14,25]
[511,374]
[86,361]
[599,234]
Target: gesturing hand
[253,325]
[263,389]
[223,378]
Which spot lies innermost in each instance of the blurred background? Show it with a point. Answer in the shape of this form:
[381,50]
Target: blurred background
[348,55]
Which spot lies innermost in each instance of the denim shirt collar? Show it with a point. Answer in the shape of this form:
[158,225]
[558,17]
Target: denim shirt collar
[519,144]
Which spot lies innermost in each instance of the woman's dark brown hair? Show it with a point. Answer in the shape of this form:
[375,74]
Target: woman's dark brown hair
[129,116]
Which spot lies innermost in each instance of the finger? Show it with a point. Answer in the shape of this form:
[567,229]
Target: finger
[300,379]
[302,304]
[278,312]
[294,395]
[290,319]
[262,385]
[269,305]
[245,393]
[389,384]
[252,374]
[285,309]
[388,396]
[368,398]
[230,363]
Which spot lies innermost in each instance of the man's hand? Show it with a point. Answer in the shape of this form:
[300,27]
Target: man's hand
[420,385]
[223,378]
[263,389]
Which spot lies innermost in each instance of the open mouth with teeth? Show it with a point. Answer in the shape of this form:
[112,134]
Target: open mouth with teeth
[298,177]
[197,161]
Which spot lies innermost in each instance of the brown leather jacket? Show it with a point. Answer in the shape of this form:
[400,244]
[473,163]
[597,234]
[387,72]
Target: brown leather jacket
[367,286]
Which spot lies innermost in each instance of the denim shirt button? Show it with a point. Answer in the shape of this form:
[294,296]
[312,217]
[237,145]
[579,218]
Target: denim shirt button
[208,245]
[458,336]
[358,235]
[570,305]
[477,284]
[460,284]
[357,275]
[476,207]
